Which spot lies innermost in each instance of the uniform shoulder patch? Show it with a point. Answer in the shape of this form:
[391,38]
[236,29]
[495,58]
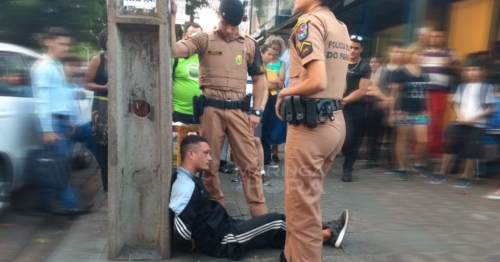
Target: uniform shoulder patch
[305,49]
[301,29]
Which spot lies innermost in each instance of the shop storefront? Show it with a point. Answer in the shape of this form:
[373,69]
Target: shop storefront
[472,25]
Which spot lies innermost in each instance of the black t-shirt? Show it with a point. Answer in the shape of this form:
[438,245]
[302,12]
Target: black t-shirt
[386,79]
[354,74]
[412,90]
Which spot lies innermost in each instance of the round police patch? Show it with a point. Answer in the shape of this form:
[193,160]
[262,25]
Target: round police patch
[239,59]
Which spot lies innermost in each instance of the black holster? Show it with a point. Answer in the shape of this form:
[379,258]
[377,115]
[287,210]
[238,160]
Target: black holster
[246,103]
[298,110]
[198,108]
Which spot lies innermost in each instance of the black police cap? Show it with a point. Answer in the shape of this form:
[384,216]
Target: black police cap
[232,11]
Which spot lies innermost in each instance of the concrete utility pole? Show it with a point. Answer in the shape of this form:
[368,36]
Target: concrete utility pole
[140,130]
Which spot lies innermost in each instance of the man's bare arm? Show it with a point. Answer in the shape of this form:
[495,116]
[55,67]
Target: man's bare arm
[258,90]
[266,96]
[179,50]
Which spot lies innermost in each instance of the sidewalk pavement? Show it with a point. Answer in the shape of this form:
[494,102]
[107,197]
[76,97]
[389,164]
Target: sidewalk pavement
[391,220]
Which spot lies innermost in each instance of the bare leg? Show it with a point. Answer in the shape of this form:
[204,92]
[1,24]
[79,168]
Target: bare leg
[421,132]
[469,166]
[445,163]
[327,233]
[274,150]
[401,137]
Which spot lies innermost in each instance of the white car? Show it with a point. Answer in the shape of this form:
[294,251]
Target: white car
[17,119]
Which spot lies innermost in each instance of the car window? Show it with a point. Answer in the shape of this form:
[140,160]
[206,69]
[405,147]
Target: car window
[14,75]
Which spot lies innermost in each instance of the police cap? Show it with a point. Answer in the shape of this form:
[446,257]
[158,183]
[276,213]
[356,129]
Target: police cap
[232,11]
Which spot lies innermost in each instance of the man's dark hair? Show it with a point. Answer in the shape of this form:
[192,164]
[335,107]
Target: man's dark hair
[189,141]
[71,59]
[331,4]
[396,44]
[103,39]
[474,61]
[55,32]
[441,30]
[195,25]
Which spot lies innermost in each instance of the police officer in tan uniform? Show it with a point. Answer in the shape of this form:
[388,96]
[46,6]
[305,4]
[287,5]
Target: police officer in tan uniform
[319,55]
[226,56]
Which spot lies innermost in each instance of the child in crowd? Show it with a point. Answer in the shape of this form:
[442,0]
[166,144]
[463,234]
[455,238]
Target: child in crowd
[473,102]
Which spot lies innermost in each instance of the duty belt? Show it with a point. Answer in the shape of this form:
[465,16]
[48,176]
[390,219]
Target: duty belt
[200,102]
[299,110]
[224,104]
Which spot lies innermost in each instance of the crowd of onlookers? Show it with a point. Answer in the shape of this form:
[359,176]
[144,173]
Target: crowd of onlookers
[415,103]
[436,107]
[419,100]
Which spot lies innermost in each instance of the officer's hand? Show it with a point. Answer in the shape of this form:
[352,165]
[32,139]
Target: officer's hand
[49,138]
[253,122]
[173,7]
[277,108]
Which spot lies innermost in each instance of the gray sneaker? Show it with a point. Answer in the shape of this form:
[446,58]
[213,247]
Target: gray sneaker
[462,183]
[421,170]
[402,175]
[338,228]
[438,179]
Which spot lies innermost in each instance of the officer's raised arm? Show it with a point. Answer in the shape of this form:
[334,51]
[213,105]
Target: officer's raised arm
[188,47]
[256,72]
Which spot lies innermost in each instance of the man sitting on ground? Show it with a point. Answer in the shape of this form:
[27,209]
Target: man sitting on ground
[205,224]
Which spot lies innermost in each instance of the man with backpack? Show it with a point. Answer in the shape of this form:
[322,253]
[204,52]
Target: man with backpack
[185,81]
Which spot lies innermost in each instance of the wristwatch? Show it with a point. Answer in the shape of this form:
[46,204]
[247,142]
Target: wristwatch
[257,112]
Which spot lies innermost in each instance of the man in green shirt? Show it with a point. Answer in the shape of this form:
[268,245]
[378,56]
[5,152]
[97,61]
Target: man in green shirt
[185,81]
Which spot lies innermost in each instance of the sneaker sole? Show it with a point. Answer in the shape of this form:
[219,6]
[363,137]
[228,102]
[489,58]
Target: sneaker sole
[440,182]
[344,229]
[422,175]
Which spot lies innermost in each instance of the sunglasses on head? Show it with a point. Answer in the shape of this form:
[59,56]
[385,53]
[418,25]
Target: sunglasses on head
[356,38]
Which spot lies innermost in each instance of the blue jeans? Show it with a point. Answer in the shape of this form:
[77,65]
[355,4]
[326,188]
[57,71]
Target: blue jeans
[83,134]
[67,195]
[269,119]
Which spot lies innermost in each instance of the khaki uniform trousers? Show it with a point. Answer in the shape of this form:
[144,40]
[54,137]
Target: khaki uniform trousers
[309,154]
[215,123]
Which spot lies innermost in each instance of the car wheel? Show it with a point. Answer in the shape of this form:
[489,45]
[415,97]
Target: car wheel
[83,159]
[4,189]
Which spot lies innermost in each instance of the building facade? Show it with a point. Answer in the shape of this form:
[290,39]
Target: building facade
[472,25]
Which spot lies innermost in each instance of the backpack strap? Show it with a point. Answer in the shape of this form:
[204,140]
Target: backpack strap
[174,66]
